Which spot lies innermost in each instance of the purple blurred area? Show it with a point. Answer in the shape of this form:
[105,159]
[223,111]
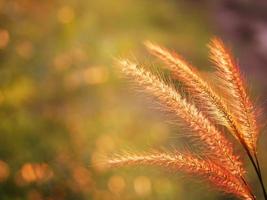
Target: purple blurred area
[244,25]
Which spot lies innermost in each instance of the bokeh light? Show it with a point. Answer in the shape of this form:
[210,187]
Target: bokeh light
[4,171]
[116,184]
[66,14]
[142,185]
[35,172]
[4,38]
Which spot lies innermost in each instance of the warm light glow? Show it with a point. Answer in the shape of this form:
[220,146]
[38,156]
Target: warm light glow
[142,185]
[4,171]
[36,172]
[116,184]
[96,75]
[105,143]
[66,15]
[27,173]
[4,38]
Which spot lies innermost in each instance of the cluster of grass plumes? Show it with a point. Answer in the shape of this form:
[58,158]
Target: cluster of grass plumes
[209,109]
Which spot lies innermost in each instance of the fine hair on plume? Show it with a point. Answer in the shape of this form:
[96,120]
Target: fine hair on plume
[205,113]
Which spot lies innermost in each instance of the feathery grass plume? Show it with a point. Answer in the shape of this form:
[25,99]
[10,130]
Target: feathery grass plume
[233,84]
[206,97]
[176,161]
[203,129]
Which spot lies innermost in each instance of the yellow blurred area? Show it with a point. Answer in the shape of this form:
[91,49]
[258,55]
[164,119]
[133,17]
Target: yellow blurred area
[66,14]
[22,90]
[105,144]
[89,76]
[65,60]
[142,185]
[96,75]
[164,185]
[25,49]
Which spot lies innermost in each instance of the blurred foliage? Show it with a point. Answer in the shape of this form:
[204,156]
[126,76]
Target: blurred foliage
[63,106]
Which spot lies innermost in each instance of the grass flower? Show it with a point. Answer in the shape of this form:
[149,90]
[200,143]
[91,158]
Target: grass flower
[202,114]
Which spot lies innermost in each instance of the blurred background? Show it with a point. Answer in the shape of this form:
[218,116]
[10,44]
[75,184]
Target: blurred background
[63,106]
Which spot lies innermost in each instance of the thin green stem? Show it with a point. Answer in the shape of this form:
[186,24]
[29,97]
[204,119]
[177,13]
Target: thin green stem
[260,176]
[256,168]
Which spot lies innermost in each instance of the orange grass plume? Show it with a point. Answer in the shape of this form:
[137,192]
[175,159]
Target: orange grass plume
[233,85]
[202,114]
[207,169]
